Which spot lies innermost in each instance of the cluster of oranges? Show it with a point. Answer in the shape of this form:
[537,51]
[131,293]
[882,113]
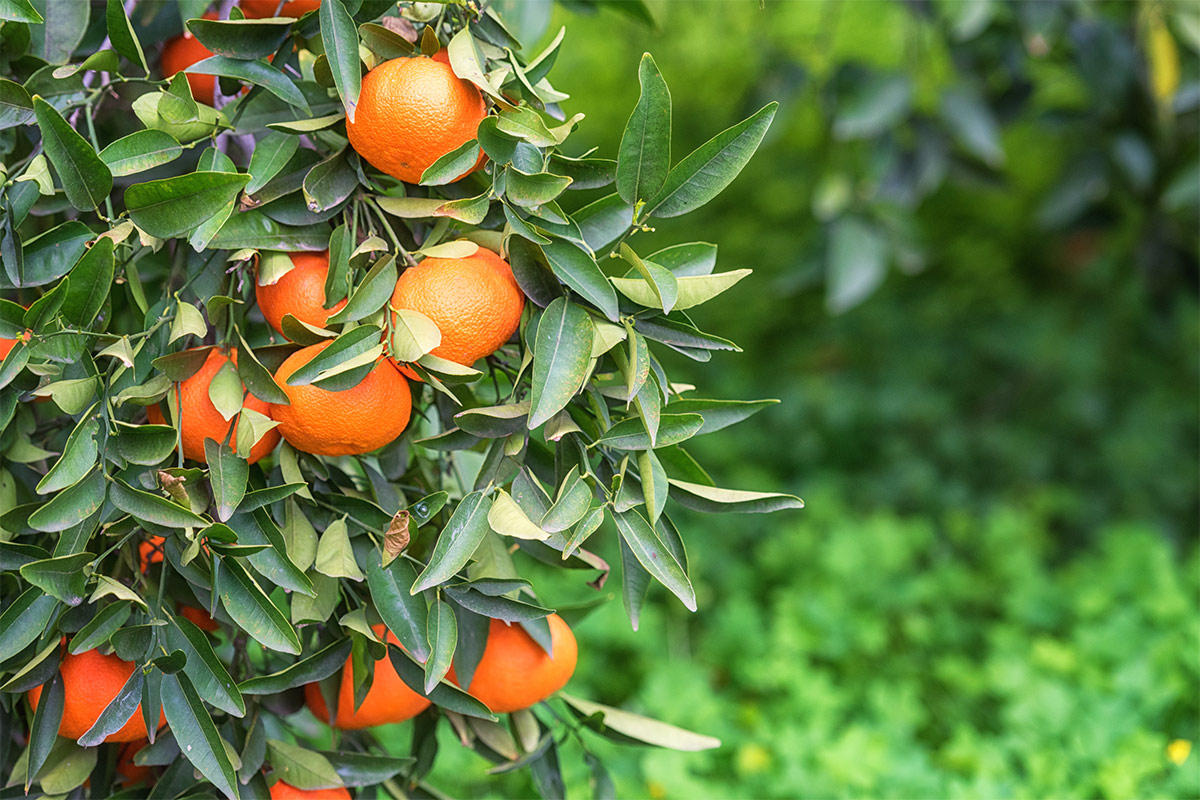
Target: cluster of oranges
[411,112]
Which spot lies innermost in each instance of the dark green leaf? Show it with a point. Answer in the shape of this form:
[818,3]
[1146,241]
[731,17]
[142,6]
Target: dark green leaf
[23,620]
[718,414]
[579,271]
[204,667]
[653,554]
[197,735]
[704,173]
[371,294]
[89,285]
[61,577]
[561,356]
[452,166]
[340,37]
[259,381]
[16,106]
[304,769]
[78,456]
[444,695]
[140,151]
[364,769]
[496,607]
[119,711]
[153,508]
[253,611]
[644,156]
[404,613]
[73,504]
[97,632]
[61,32]
[317,667]
[123,36]
[253,73]
[329,183]
[85,178]
[246,39]
[631,434]
[170,207]
[457,541]
[442,638]
[271,154]
[20,11]
[44,730]
[227,474]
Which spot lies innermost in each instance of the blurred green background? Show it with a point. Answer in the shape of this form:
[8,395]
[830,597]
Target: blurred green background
[973,227]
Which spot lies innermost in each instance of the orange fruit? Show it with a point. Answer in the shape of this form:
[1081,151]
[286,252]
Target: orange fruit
[442,55]
[388,700]
[257,9]
[130,773]
[199,418]
[199,617]
[183,51]
[411,112]
[474,301]
[90,682]
[150,551]
[300,292]
[283,791]
[5,346]
[357,420]
[515,671]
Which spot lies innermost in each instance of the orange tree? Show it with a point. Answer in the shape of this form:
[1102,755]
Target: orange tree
[310,349]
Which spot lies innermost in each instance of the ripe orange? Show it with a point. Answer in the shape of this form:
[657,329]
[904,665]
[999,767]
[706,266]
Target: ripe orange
[199,418]
[132,774]
[283,791]
[474,301]
[257,9]
[5,346]
[183,51]
[300,292]
[356,420]
[388,700]
[150,551]
[199,617]
[515,671]
[90,682]
[411,112]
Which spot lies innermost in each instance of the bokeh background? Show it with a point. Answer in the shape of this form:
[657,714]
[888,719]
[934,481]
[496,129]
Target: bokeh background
[974,230]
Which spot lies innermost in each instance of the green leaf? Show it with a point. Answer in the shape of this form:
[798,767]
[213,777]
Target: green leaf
[363,769]
[78,456]
[118,711]
[85,178]
[644,729]
[23,620]
[329,183]
[256,230]
[43,732]
[506,518]
[89,285]
[693,258]
[245,39]
[304,769]
[572,504]
[102,626]
[317,667]
[631,434]
[63,29]
[444,695]
[198,739]
[561,357]
[711,499]
[170,207]
[340,38]
[258,380]
[493,422]
[20,11]
[712,166]
[403,611]
[253,73]
[414,335]
[693,290]
[452,166]
[123,36]
[227,474]
[442,638]
[205,668]
[253,611]
[530,190]
[857,263]
[16,106]
[457,541]
[371,294]
[72,504]
[49,256]
[718,414]
[496,606]
[579,271]
[272,562]
[653,554]
[661,281]
[384,43]
[153,508]
[271,154]
[335,556]
[644,156]
[468,63]
[140,151]
[62,577]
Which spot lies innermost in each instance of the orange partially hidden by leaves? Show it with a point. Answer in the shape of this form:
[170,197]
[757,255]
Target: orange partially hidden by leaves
[183,51]
[198,617]
[132,774]
[300,292]
[150,551]
[410,113]
[257,9]
[284,791]
[474,301]
[90,682]
[356,420]
[515,671]
[388,700]
[199,418]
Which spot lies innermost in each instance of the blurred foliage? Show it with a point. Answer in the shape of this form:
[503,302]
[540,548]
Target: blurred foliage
[992,592]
